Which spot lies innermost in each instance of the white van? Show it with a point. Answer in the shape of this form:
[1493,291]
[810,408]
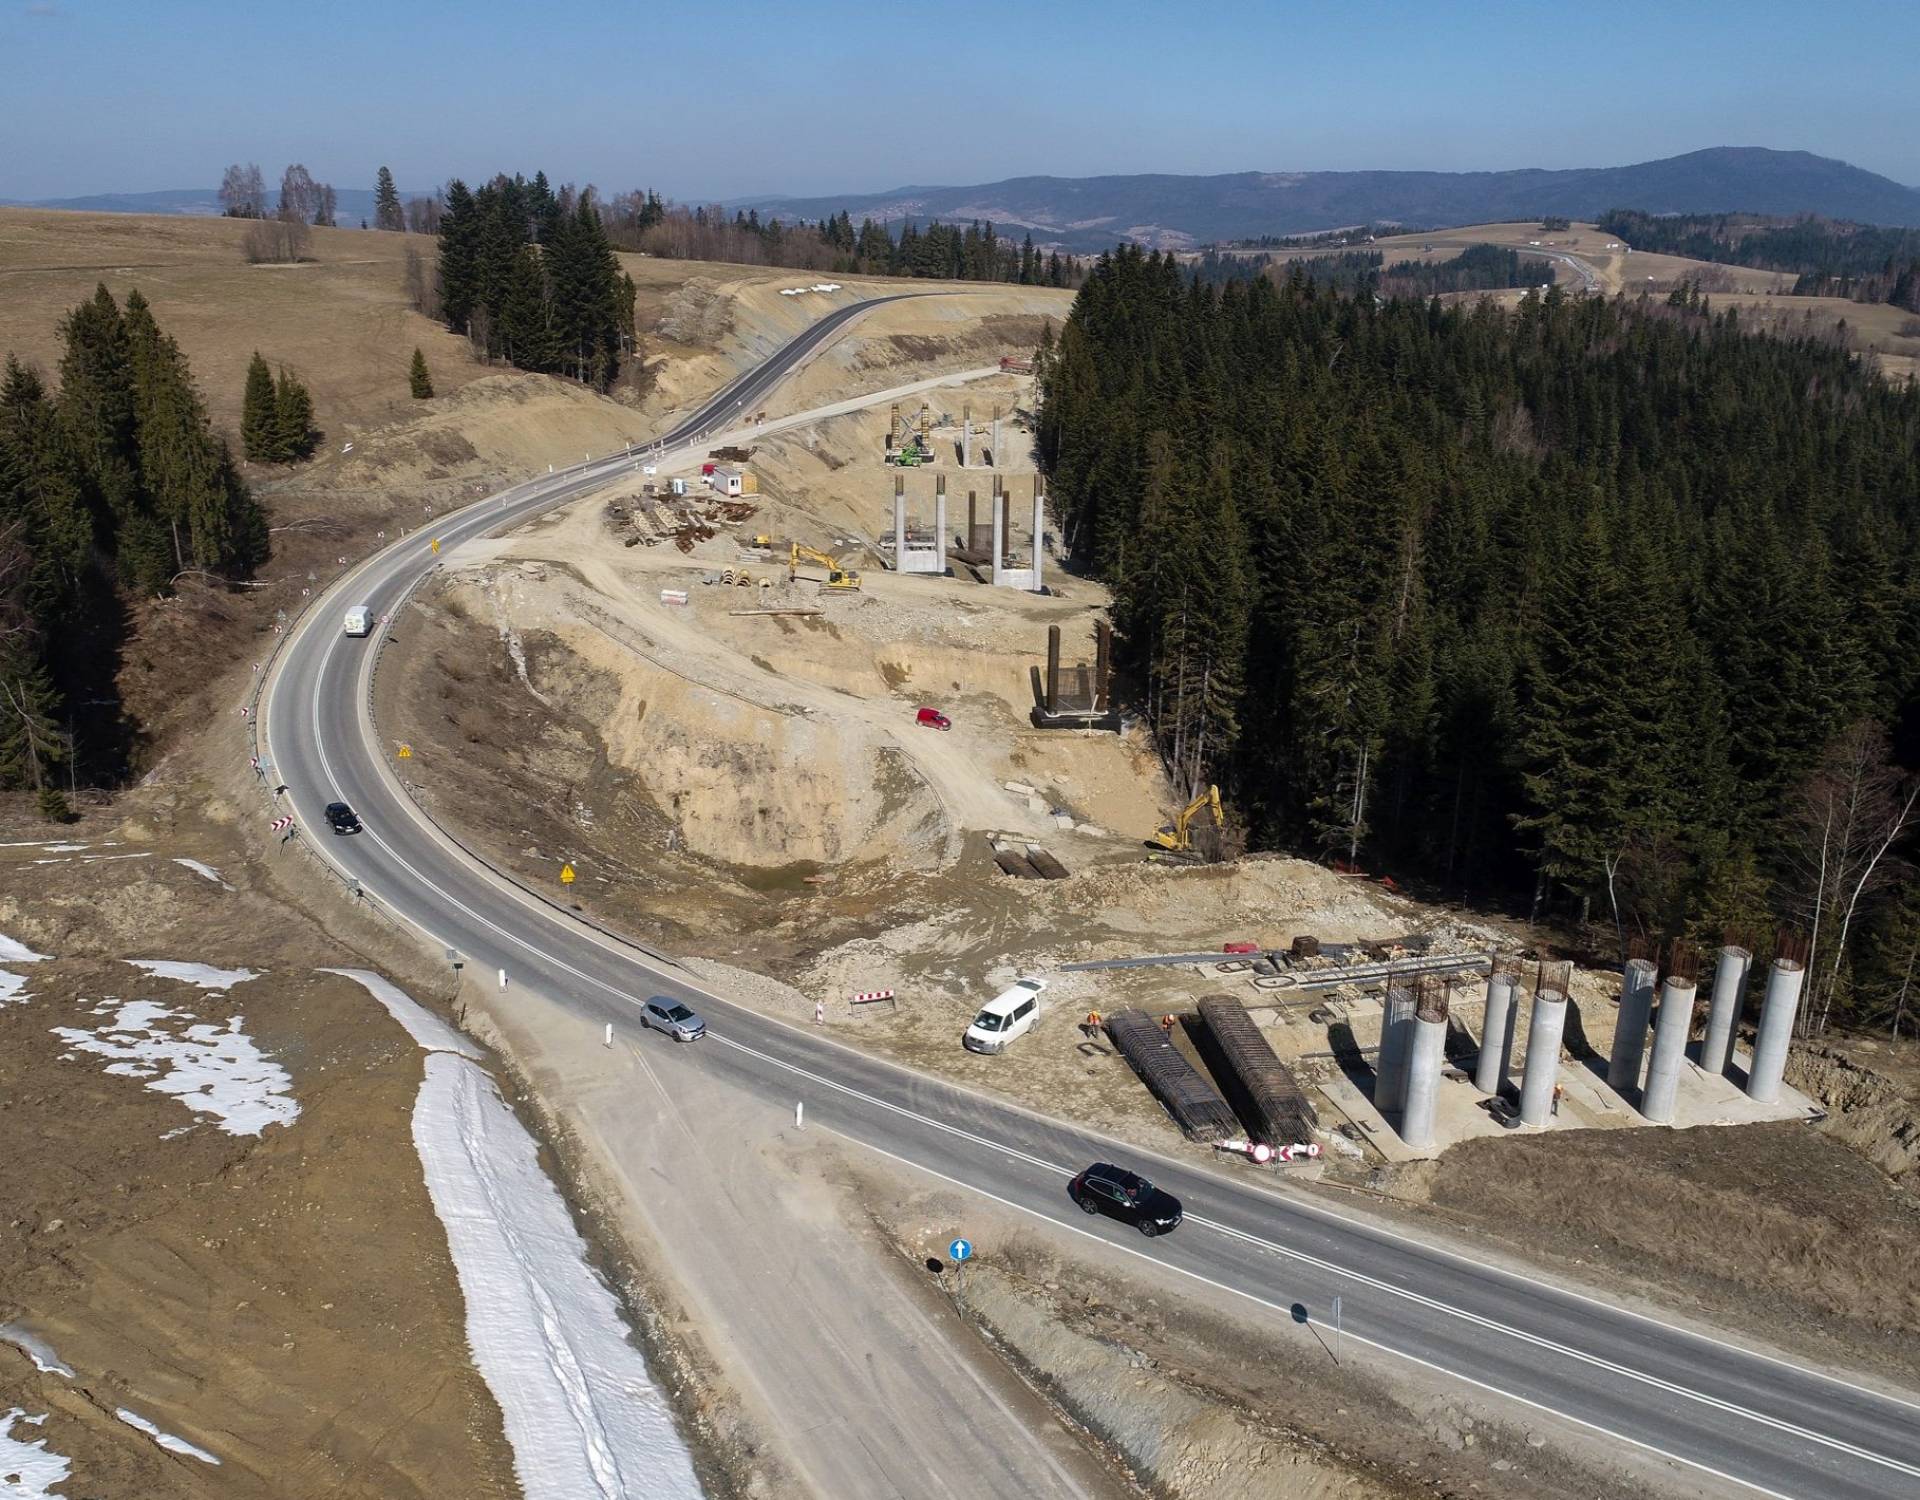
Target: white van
[360,620]
[1008,1016]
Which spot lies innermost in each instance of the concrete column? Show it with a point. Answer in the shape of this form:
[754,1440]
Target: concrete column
[996,437]
[1543,1056]
[973,524]
[1053,668]
[1669,1050]
[1723,1010]
[940,538]
[899,523]
[1039,524]
[999,536]
[1425,1053]
[1776,1030]
[1390,1062]
[966,437]
[1496,1036]
[1630,1026]
[1102,657]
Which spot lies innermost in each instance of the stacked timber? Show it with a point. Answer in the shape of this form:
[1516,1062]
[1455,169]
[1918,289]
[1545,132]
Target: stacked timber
[1196,1106]
[1270,1101]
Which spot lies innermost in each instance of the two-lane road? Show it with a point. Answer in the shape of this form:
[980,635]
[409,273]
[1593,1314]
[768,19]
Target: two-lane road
[1759,1422]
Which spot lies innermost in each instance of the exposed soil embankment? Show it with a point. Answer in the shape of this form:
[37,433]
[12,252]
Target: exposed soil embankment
[1866,1108]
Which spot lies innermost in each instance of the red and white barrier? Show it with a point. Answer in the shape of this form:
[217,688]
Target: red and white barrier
[1261,1153]
[867,997]
[281,825]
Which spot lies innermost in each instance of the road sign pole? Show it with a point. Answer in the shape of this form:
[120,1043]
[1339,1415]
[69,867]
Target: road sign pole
[1336,1330]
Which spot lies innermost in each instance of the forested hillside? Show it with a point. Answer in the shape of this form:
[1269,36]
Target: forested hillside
[111,489]
[1572,598]
[1478,268]
[1829,257]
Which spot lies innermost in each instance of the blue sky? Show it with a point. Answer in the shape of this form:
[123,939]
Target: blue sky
[725,100]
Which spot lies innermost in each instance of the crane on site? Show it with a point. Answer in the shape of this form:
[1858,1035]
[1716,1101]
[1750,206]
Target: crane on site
[838,575]
[1176,837]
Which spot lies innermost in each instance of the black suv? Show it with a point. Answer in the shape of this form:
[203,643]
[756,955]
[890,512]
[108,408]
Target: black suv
[1126,1196]
[342,818]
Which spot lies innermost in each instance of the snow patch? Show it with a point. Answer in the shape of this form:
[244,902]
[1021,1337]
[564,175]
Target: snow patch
[205,872]
[583,1415]
[213,1071]
[19,953]
[36,1349]
[432,1033]
[13,988]
[204,975]
[165,1439]
[28,1471]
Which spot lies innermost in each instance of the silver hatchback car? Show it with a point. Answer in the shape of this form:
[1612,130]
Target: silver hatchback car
[678,1021]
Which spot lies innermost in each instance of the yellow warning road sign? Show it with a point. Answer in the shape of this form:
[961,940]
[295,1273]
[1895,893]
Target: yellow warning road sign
[435,544]
[405,752]
[566,874]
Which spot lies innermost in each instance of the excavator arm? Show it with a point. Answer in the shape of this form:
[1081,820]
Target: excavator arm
[1176,837]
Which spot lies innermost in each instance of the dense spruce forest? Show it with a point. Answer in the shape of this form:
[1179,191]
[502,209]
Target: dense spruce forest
[111,489]
[528,276]
[1584,602]
[643,222]
[1828,257]
[1478,268]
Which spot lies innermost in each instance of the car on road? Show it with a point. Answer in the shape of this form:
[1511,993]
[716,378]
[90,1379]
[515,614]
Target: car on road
[1127,1196]
[342,819]
[1005,1018]
[360,620]
[932,718]
[678,1021]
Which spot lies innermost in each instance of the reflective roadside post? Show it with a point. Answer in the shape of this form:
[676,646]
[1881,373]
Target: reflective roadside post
[1336,1330]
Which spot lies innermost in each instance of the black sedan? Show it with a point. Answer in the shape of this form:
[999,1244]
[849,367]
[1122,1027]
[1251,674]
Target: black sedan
[342,819]
[1126,1196]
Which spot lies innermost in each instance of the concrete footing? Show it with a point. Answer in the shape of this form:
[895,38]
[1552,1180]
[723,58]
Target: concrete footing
[1548,1022]
[1029,577]
[1630,1027]
[912,551]
[1723,1010]
[1669,1050]
[1775,1035]
[1426,1051]
[1390,1062]
[1496,1036]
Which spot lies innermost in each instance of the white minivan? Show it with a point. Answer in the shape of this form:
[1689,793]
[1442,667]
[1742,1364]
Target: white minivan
[1008,1016]
[360,620]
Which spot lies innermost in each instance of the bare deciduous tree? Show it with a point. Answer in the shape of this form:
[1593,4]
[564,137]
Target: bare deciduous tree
[423,291]
[1851,813]
[277,242]
[423,215]
[243,192]
[299,195]
[324,207]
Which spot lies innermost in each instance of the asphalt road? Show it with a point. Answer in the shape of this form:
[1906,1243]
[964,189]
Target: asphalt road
[1763,1423]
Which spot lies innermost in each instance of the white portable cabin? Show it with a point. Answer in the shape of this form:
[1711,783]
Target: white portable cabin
[727,481]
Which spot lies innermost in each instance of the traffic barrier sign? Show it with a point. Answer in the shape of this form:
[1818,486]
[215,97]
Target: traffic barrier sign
[867,997]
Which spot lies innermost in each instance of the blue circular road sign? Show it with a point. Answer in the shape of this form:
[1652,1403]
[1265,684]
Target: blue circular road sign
[960,1250]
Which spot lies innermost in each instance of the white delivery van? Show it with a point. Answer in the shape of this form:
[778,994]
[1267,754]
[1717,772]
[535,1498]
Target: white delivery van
[360,620]
[1008,1016]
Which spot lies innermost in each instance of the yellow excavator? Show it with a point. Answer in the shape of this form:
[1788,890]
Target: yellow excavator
[838,577]
[1175,837]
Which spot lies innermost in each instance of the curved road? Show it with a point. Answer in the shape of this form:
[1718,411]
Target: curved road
[1765,1424]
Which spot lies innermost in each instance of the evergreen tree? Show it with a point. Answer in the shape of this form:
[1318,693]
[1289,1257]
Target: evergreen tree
[387,212]
[260,416]
[294,431]
[419,381]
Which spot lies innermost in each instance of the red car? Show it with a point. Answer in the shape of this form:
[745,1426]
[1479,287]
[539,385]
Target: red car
[1241,948]
[933,719]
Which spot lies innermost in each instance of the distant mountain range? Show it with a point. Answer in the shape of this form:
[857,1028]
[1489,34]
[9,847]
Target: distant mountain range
[1172,212]
[1092,213]
[351,205]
